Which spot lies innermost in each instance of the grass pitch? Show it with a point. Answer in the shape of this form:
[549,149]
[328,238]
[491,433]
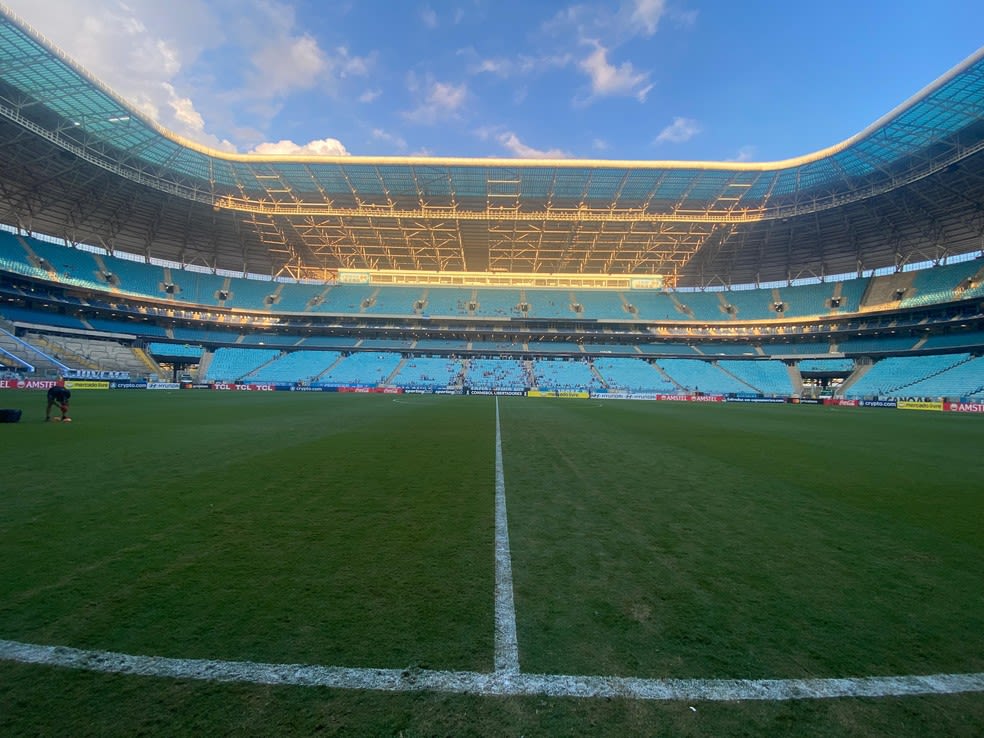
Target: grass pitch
[652,540]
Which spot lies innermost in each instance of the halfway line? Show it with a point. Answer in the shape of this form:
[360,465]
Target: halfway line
[506,645]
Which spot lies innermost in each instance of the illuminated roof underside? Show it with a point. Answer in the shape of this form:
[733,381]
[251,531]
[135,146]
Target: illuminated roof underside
[79,163]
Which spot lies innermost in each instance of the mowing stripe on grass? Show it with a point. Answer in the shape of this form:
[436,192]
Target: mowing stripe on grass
[501,684]
[506,645]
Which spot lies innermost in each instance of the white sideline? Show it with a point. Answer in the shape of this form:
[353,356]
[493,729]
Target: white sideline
[494,684]
[506,644]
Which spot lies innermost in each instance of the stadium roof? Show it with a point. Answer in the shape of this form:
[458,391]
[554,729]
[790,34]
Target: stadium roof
[82,164]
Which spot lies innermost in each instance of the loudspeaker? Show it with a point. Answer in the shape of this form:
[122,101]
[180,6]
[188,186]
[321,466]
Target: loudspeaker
[9,416]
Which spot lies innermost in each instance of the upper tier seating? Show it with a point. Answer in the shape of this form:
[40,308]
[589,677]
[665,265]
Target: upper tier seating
[826,365]
[498,303]
[546,303]
[395,300]
[75,266]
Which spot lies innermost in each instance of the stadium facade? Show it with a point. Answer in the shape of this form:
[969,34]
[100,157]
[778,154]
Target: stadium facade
[484,257]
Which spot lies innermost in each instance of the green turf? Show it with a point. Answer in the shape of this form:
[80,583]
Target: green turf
[280,527]
[648,539]
[658,539]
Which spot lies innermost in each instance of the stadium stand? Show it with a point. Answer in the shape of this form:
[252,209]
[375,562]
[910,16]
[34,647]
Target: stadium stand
[90,353]
[654,306]
[294,367]
[67,265]
[447,301]
[555,347]
[851,294]
[826,365]
[197,287]
[601,304]
[960,380]
[702,306]
[894,376]
[387,344]
[876,344]
[36,317]
[767,377]
[340,342]
[395,300]
[795,349]
[250,294]
[175,350]
[363,369]
[499,374]
[939,284]
[297,298]
[232,364]
[268,339]
[428,373]
[204,335]
[133,276]
[344,298]
[445,344]
[633,375]
[954,340]
[550,304]
[561,374]
[727,349]
[129,327]
[806,300]
[701,376]
[497,303]
[757,304]
[498,347]
[668,349]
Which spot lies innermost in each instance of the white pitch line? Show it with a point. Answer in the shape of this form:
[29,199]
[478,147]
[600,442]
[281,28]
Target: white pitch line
[495,684]
[506,644]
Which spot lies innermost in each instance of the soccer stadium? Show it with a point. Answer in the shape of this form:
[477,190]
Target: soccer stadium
[736,410]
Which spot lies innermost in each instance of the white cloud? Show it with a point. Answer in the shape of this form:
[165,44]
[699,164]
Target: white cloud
[138,49]
[610,80]
[441,100]
[522,64]
[679,131]
[685,18]
[510,141]
[745,153]
[392,139]
[150,53]
[428,16]
[321,147]
[600,144]
[184,110]
[369,96]
[646,14]
[286,64]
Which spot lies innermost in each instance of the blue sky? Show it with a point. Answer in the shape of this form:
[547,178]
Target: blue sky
[624,79]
